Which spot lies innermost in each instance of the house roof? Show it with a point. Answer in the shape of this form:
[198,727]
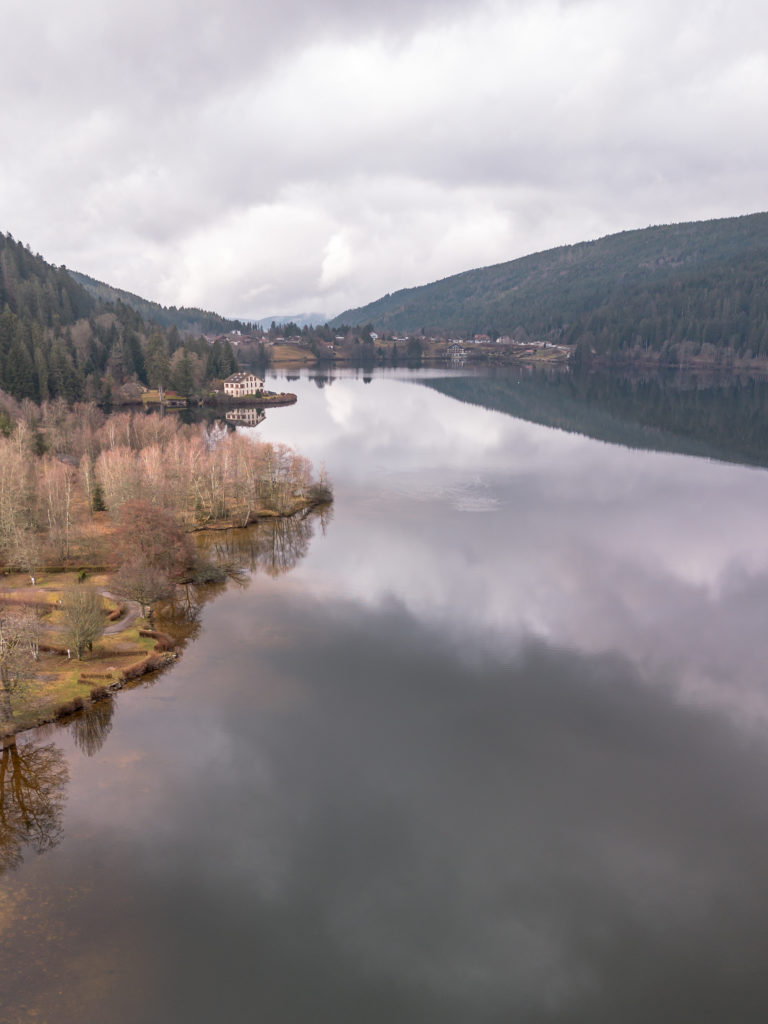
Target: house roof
[237,378]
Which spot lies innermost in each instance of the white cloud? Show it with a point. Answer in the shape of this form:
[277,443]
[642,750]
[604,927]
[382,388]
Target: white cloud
[337,261]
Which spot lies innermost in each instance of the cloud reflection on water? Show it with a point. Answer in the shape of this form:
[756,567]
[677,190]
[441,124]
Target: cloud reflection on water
[589,545]
[459,764]
[426,834]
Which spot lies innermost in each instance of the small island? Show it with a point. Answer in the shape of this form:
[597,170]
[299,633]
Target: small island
[98,517]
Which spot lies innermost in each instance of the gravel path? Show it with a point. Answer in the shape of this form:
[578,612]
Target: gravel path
[132,612]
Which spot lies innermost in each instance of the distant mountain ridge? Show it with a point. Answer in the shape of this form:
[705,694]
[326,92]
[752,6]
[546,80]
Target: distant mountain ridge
[183,318]
[300,319]
[695,284]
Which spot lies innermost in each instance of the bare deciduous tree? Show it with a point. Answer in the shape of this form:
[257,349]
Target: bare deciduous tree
[83,613]
[19,642]
[57,485]
[17,497]
[142,582]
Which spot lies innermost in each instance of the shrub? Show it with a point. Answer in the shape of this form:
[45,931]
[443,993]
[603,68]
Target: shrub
[69,708]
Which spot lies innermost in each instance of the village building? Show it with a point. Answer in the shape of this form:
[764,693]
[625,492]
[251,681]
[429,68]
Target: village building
[241,384]
[132,391]
[456,353]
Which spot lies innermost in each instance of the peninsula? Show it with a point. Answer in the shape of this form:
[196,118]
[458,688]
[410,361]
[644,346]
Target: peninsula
[97,521]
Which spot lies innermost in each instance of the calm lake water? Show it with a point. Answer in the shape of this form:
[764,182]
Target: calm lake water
[490,744]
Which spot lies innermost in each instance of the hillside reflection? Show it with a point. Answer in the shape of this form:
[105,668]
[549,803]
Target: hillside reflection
[719,416]
[33,779]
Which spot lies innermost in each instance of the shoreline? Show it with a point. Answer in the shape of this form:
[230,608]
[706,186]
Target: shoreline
[119,657]
[260,401]
[270,400]
[69,684]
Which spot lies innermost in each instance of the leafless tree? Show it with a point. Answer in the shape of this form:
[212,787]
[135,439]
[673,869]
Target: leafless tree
[19,643]
[83,613]
[57,485]
[17,497]
[142,582]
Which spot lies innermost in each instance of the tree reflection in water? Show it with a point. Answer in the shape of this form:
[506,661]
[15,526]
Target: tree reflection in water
[271,546]
[91,726]
[274,546]
[33,777]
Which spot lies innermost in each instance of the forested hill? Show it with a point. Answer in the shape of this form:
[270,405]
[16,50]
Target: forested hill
[184,318]
[651,290]
[35,290]
[59,341]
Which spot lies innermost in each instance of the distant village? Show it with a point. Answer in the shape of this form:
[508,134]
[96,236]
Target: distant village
[291,347]
[288,345]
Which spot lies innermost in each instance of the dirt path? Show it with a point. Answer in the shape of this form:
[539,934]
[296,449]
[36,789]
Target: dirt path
[30,594]
[132,612]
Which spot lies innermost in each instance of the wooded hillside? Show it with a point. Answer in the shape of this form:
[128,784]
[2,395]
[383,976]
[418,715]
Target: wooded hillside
[184,318]
[59,341]
[674,290]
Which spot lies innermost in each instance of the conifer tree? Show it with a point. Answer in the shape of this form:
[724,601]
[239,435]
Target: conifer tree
[20,377]
[157,363]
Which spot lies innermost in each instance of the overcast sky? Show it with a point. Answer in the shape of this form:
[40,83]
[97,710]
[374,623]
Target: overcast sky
[259,157]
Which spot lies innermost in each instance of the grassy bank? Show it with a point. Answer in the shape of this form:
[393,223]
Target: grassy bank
[61,684]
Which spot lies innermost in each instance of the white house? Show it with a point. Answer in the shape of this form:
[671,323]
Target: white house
[241,384]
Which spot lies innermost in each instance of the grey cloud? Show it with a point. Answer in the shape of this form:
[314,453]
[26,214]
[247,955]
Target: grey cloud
[176,49]
[444,134]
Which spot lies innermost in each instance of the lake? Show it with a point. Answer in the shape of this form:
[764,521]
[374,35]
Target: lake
[487,744]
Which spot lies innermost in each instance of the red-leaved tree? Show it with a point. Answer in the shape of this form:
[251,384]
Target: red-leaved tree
[152,536]
[152,552]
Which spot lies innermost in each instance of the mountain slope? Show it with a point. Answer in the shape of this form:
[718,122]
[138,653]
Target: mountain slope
[33,289]
[183,318]
[59,341]
[699,283]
